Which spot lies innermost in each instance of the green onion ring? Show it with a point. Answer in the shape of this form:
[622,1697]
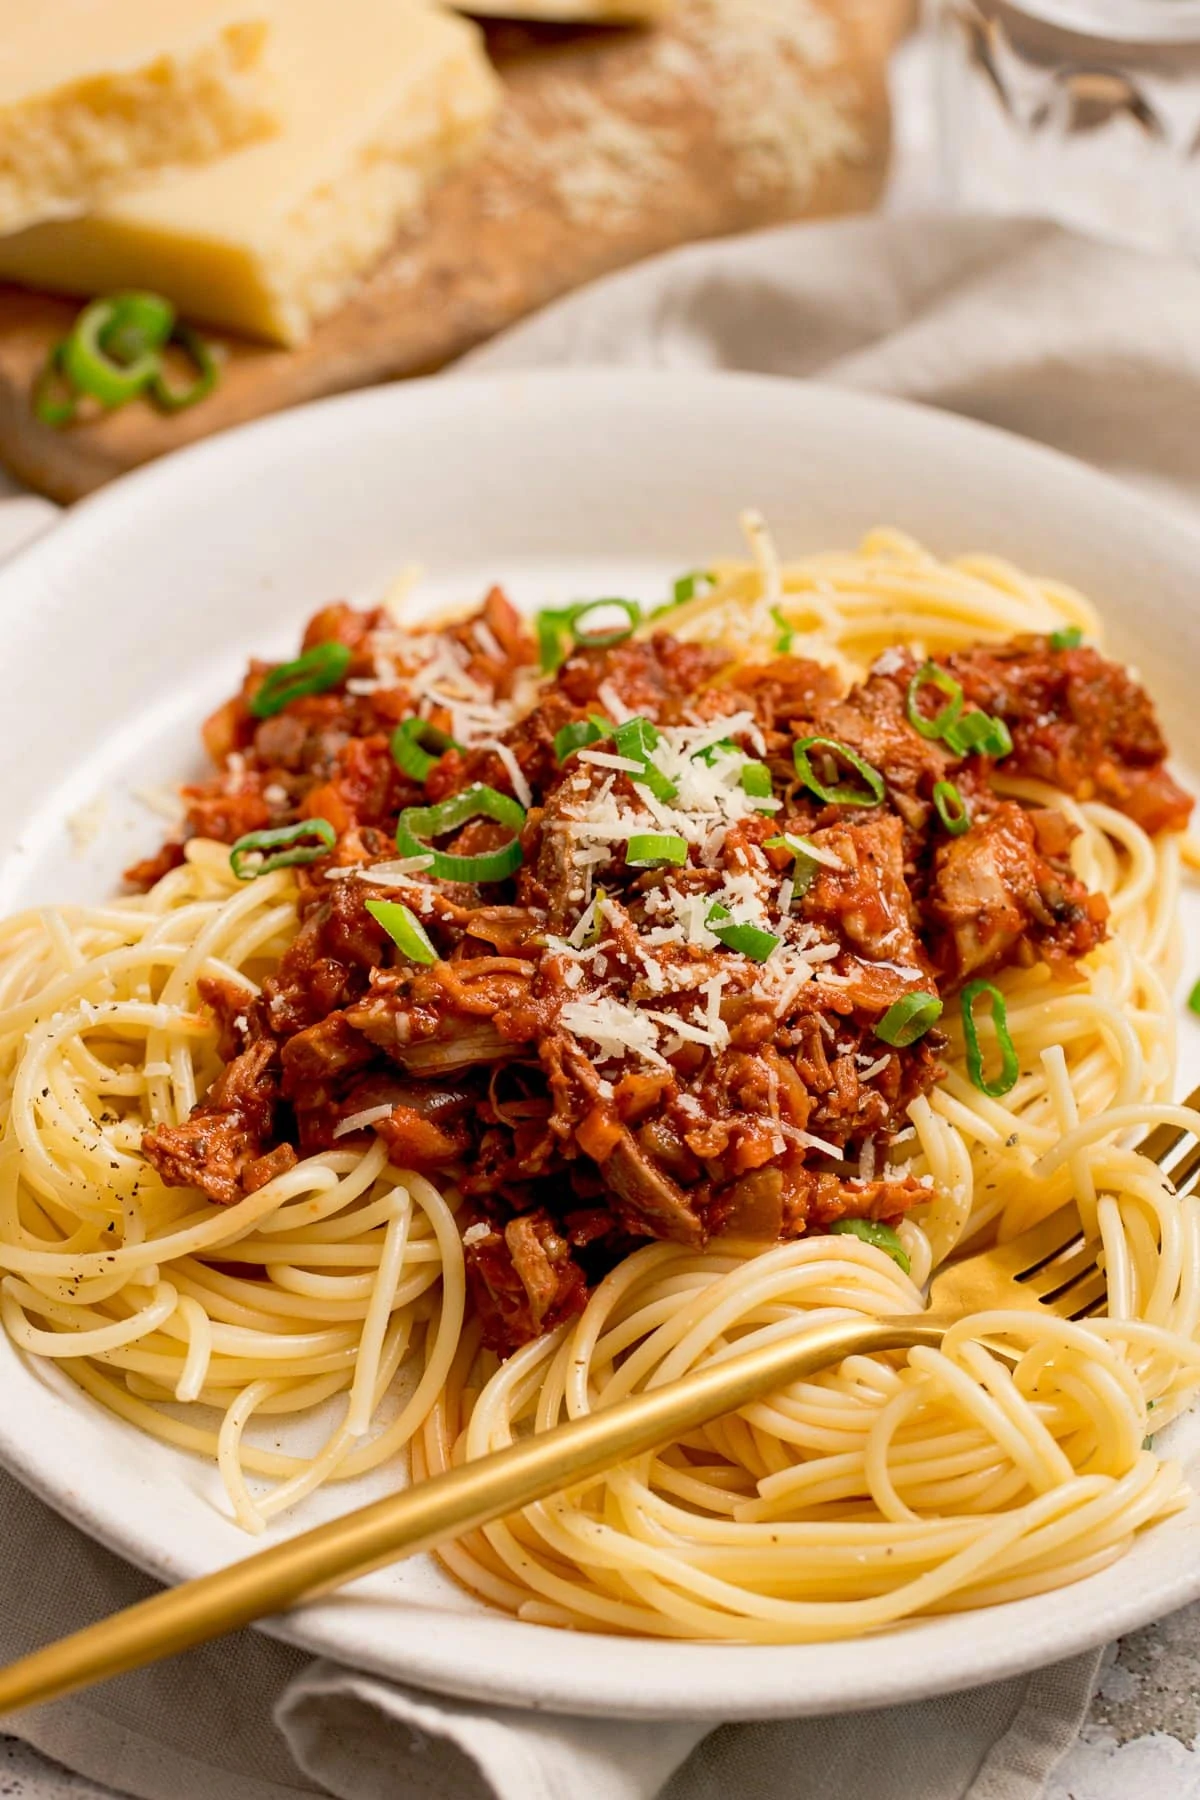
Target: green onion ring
[646,849]
[558,630]
[637,739]
[578,735]
[871,1231]
[170,399]
[683,588]
[748,940]
[404,929]
[979,734]
[784,634]
[318,669]
[54,400]
[951,808]
[276,840]
[838,796]
[142,321]
[806,865]
[1068,637]
[756,780]
[908,1019]
[929,675]
[114,354]
[1010,1067]
[419,823]
[412,741]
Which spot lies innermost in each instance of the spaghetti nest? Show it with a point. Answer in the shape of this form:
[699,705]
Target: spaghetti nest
[886,1487]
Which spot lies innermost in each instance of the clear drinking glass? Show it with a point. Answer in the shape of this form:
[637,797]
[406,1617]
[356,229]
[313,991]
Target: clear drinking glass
[1085,110]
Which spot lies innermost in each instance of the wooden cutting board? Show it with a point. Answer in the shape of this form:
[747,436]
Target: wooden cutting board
[610,145]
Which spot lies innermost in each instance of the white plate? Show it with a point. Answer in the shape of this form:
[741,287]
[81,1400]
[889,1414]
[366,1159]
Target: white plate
[130,619]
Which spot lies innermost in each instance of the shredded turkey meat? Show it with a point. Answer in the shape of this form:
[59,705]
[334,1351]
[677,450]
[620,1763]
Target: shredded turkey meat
[680,1043]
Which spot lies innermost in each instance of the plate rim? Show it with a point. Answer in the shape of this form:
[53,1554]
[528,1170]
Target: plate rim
[770,1678]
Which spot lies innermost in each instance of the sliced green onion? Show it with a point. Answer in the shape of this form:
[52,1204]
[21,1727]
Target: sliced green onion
[929,675]
[750,940]
[979,734]
[791,840]
[951,808]
[54,400]
[1068,638]
[141,321]
[784,632]
[404,929]
[554,638]
[683,588]
[1193,1000]
[646,848]
[607,634]
[872,1232]
[419,823]
[295,852]
[871,794]
[908,1019]
[756,780]
[595,930]
[413,741]
[114,353]
[140,324]
[1009,1065]
[710,752]
[637,739]
[578,735]
[171,399]
[559,629]
[807,860]
[320,668]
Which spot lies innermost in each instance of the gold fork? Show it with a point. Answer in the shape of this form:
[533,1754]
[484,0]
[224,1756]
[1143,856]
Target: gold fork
[1050,1266]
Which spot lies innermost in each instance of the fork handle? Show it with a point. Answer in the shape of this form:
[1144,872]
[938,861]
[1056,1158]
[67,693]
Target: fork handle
[433,1511]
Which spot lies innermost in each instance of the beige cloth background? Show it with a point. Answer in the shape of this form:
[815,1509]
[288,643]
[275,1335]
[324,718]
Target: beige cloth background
[1086,347]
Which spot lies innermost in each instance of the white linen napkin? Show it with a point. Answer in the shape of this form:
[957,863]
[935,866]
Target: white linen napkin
[1086,347]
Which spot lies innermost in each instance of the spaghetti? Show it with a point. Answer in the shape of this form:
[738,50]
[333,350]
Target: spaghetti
[886,1487]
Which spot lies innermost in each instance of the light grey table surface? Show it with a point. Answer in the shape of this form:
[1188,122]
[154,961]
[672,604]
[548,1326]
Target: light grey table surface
[1142,1737]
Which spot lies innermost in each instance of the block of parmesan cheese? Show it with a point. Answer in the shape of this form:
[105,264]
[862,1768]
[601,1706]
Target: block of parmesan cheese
[377,99]
[94,93]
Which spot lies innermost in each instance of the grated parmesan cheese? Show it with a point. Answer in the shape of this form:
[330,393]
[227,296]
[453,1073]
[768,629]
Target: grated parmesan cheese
[86,823]
[485,637]
[513,769]
[614,707]
[359,1121]
[616,1030]
[604,759]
